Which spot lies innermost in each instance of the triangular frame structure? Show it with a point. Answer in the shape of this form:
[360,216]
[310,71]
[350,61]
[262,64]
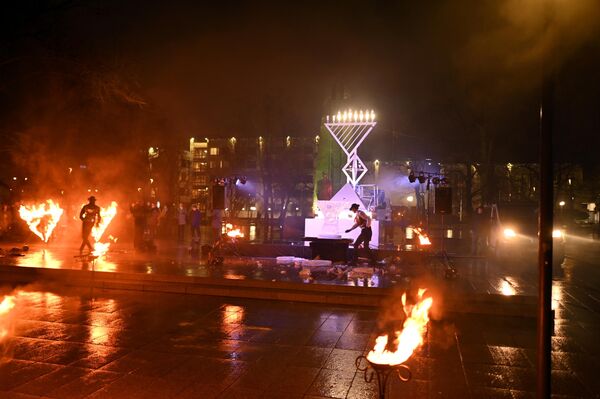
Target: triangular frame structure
[349,136]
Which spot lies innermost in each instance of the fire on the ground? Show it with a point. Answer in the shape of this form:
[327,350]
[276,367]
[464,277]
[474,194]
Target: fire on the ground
[409,338]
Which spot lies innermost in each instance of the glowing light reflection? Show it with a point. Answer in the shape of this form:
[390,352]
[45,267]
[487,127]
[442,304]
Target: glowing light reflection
[506,288]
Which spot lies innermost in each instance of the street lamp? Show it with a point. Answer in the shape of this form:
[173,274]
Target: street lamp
[545,228]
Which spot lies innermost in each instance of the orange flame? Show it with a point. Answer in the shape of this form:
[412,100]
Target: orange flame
[407,340]
[41,219]
[7,304]
[100,248]
[423,238]
[235,233]
[106,216]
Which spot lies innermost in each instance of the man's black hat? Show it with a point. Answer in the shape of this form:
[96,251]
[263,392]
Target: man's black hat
[354,206]
[92,199]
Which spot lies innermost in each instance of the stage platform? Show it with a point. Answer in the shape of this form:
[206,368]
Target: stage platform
[480,287]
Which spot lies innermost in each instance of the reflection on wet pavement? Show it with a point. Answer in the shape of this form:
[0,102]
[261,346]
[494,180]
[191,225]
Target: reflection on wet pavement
[477,275]
[39,258]
[103,344]
[108,344]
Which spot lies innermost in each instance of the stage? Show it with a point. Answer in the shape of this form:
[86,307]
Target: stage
[480,286]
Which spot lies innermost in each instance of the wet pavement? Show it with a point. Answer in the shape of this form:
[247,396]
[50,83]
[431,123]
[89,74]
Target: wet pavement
[478,274]
[111,344]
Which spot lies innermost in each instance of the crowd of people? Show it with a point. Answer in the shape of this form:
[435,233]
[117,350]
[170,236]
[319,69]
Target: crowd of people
[148,217]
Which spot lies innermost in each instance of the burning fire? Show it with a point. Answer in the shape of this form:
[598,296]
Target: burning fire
[407,340]
[7,304]
[41,219]
[100,248]
[233,233]
[106,215]
[423,238]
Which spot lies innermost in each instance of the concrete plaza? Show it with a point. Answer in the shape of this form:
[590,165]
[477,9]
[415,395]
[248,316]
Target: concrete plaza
[89,342]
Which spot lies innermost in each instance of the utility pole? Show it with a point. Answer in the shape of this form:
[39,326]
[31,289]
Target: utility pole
[545,227]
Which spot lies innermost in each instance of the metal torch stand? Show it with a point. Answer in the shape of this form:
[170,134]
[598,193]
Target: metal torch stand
[383,373]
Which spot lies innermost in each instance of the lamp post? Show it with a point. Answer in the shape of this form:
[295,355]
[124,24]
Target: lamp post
[545,227]
[152,154]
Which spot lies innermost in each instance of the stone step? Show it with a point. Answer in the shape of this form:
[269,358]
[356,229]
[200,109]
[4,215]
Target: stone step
[449,301]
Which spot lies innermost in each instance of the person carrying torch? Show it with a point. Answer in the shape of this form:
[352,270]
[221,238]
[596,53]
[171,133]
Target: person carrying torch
[90,216]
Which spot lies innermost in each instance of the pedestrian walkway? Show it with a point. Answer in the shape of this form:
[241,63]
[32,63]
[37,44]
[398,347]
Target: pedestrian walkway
[109,344]
[76,344]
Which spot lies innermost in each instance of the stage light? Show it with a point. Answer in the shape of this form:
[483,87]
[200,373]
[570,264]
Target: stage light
[422,179]
[445,181]
[411,177]
[435,180]
[243,179]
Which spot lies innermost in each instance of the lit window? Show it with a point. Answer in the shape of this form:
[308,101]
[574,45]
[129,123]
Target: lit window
[200,153]
[214,151]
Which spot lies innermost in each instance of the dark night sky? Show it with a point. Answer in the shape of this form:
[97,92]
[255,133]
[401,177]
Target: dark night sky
[97,74]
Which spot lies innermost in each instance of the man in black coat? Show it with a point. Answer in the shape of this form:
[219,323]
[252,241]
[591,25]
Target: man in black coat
[90,216]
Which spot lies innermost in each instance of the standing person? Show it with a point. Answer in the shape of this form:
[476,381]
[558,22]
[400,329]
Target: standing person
[479,231]
[139,213]
[153,220]
[181,222]
[195,219]
[363,221]
[89,216]
[217,224]
[403,223]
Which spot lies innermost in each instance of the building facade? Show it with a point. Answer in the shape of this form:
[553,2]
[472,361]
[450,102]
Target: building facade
[261,175]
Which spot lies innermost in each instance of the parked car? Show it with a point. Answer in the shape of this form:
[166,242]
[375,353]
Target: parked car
[514,232]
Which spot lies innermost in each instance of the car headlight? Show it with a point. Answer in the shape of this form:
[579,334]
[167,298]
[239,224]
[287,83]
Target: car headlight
[509,233]
[557,233]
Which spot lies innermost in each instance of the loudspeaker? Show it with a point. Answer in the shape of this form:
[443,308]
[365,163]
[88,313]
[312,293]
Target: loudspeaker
[443,200]
[218,197]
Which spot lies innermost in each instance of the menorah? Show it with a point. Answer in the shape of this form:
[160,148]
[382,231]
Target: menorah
[349,129]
